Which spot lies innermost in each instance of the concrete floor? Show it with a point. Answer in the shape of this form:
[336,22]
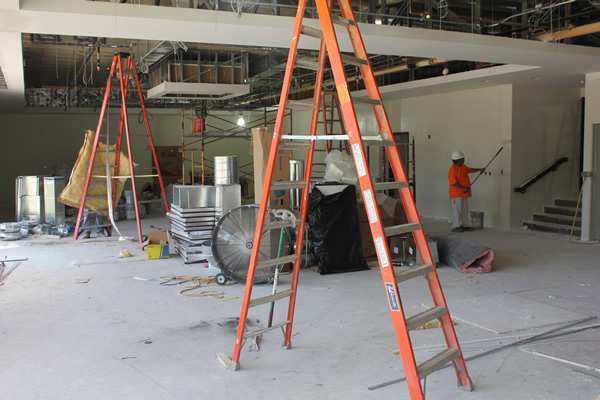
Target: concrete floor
[123,335]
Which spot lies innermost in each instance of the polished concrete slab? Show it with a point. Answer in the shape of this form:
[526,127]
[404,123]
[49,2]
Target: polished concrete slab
[78,322]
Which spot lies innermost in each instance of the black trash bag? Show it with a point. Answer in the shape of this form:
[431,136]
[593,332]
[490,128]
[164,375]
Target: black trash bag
[335,230]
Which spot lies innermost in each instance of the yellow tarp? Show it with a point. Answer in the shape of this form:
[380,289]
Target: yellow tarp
[73,192]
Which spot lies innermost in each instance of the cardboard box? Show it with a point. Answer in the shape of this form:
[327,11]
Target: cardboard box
[158,245]
[261,147]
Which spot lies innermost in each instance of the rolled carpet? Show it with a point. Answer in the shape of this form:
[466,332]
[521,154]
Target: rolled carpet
[464,255]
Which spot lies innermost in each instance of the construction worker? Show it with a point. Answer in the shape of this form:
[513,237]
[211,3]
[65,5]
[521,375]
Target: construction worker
[460,191]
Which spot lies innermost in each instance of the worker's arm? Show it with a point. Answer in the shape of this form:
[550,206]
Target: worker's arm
[461,187]
[476,170]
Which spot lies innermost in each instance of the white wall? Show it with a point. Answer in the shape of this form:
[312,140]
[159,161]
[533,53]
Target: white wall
[546,127]
[477,122]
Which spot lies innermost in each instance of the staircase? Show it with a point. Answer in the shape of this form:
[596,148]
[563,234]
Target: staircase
[557,218]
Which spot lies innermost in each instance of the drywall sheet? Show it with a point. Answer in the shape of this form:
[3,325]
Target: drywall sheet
[507,312]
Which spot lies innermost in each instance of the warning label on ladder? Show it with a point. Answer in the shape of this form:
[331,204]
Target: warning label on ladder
[358,159]
[383,258]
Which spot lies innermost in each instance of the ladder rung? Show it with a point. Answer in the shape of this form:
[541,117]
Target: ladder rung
[419,270]
[293,146]
[436,362]
[424,317]
[383,143]
[103,166]
[284,185]
[314,32]
[95,197]
[300,105]
[313,65]
[278,224]
[260,332]
[354,60]
[389,185]
[336,19]
[366,100]
[95,212]
[104,151]
[276,261]
[401,229]
[271,298]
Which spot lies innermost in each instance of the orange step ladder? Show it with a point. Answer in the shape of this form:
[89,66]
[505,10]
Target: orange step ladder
[402,324]
[124,71]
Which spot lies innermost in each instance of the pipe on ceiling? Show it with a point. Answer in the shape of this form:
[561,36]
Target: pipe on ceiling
[569,33]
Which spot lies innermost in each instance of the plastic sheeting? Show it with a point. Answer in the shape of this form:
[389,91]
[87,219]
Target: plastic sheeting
[72,193]
[464,255]
[335,231]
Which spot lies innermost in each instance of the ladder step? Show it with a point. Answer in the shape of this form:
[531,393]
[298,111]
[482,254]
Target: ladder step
[293,146]
[436,362]
[314,32]
[377,142]
[389,185]
[81,228]
[300,105]
[401,229]
[276,261]
[284,185]
[366,100]
[354,61]
[103,166]
[95,212]
[271,298]
[424,317]
[278,224]
[260,332]
[312,65]
[336,19]
[419,270]
[104,151]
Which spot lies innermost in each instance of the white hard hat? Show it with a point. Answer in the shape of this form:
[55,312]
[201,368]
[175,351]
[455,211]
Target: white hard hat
[457,155]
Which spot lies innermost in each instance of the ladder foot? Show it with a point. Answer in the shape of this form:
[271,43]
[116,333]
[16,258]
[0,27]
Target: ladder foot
[286,346]
[467,388]
[227,363]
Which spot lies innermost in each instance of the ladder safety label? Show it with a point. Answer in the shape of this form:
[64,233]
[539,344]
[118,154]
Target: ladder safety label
[358,158]
[343,93]
[383,257]
[368,197]
[392,297]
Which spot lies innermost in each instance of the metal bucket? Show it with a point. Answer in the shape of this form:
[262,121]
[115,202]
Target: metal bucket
[226,170]
[296,174]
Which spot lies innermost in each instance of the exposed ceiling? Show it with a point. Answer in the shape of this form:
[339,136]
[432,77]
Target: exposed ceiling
[417,46]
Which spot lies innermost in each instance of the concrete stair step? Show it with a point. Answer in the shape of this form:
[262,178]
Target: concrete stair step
[557,219]
[549,227]
[560,210]
[566,203]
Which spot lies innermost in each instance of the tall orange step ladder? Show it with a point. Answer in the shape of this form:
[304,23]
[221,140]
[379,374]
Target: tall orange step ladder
[402,324]
[124,70]
[332,114]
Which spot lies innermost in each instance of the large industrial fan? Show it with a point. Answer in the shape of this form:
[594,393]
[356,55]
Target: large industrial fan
[233,240]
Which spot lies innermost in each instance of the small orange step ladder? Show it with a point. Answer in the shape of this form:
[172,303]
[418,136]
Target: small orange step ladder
[124,70]
[402,324]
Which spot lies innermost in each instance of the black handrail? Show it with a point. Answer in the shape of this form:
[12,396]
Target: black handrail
[540,175]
